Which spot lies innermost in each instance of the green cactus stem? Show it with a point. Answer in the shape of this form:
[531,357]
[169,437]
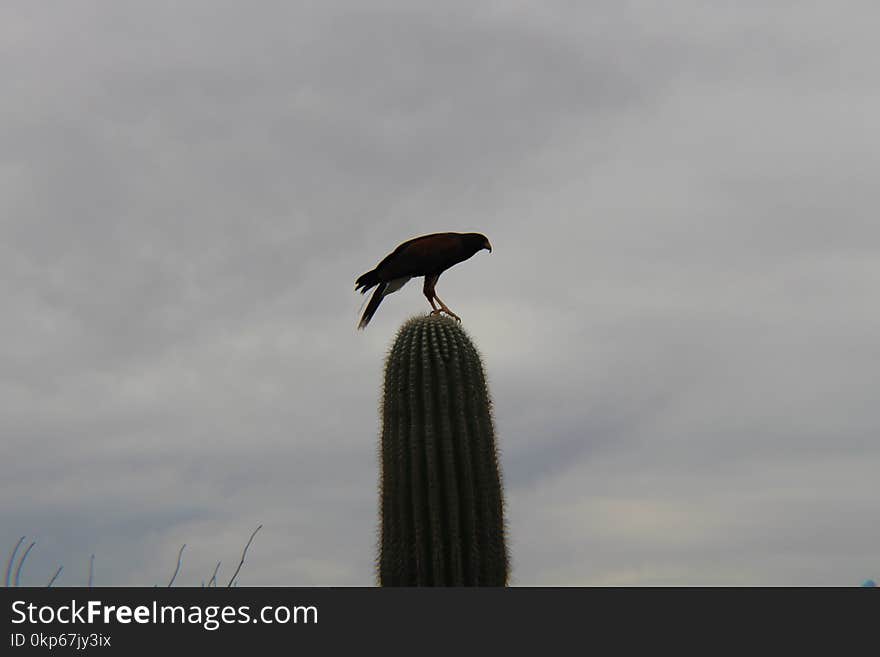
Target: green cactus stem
[442,509]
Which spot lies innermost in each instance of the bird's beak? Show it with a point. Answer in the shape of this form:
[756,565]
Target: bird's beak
[488,246]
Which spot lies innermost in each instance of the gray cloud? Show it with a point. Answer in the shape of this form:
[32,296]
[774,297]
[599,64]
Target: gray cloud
[679,318]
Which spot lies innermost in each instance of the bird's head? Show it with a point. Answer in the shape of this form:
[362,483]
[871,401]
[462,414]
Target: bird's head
[478,242]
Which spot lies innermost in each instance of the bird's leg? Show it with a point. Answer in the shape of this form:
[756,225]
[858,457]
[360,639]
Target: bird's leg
[444,308]
[428,291]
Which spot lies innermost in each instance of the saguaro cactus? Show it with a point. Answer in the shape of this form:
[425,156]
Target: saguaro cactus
[442,511]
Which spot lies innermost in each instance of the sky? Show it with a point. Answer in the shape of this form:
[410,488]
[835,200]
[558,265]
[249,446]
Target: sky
[679,318]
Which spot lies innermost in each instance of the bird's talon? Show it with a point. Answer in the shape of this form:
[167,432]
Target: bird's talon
[451,314]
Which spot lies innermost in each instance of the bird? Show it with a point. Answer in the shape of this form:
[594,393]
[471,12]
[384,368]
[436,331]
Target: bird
[428,256]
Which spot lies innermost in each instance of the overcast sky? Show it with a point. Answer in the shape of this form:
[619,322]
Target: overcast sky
[679,320]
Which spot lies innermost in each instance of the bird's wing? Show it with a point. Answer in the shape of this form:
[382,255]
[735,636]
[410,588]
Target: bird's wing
[428,254]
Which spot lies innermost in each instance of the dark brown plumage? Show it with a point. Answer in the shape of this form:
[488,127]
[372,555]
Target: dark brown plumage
[428,256]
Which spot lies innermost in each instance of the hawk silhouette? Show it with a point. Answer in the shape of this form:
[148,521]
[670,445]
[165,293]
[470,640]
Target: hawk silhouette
[428,256]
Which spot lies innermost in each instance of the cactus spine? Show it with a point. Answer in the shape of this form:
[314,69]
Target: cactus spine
[442,521]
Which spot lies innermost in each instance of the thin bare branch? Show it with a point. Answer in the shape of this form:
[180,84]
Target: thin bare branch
[177,568]
[214,576]
[21,562]
[11,559]
[243,554]
[91,569]
[54,577]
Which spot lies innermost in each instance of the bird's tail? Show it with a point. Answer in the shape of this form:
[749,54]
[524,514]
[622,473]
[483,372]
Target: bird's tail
[366,281]
[375,300]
